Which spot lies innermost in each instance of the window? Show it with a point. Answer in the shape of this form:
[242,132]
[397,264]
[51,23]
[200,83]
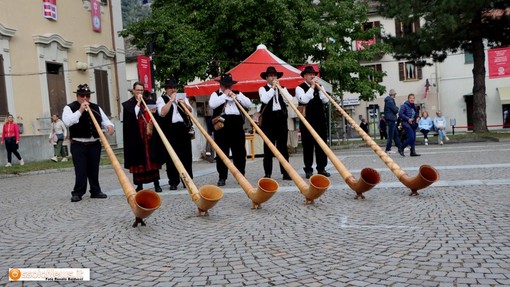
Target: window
[3,91]
[361,44]
[376,69]
[408,71]
[104,2]
[406,28]
[468,58]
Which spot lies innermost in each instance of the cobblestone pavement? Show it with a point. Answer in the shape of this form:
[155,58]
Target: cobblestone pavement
[456,233]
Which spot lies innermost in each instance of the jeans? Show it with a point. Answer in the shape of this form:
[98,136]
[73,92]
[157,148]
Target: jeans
[392,135]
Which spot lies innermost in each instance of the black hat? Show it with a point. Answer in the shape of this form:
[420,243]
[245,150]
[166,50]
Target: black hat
[83,90]
[226,80]
[271,70]
[309,70]
[172,83]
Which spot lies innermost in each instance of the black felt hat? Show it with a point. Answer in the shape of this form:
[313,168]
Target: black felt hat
[309,70]
[271,70]
[83,90]
[226,80]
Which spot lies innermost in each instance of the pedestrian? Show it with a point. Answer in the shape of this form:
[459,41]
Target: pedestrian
[390,114]
[176,127]
[85,143]
[425,125]
[364,125]
[382,127]
[140,154]
[10,136]
[57,136]
[313,101]
[440,125]
[231,137]
[410,118]
[274,114]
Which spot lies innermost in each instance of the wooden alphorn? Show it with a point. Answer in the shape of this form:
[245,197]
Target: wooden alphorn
[318,183]
[208,195]
[427,174]
[144,202]
[369,177]
[267,187]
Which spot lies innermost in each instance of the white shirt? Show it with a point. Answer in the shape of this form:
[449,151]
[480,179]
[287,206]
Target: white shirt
[304,98]
[69,118]
[272,94]
[230,108]
[176,116]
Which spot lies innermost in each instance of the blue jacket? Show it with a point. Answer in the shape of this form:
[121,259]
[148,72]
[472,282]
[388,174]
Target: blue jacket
[425,124]
[390,109]
[408,111]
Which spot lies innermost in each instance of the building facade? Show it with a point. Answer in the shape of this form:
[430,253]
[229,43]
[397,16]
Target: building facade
[48,48]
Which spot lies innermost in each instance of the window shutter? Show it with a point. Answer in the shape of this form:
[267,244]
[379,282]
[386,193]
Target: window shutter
[401,72]
[420,72]
[416,25]
[398,28]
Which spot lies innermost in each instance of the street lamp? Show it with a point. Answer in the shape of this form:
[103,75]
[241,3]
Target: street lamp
[150,50]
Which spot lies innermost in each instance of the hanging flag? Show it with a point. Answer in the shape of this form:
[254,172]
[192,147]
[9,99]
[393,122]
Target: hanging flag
[50,9]
[95,11]
[144,72]
[427,85]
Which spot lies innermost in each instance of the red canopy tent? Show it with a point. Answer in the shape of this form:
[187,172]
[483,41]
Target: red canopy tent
[247,75]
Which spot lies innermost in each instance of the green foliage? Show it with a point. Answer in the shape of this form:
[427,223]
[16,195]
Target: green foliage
[133,11]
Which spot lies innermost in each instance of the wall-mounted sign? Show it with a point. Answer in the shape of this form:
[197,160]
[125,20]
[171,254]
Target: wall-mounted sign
[499,62]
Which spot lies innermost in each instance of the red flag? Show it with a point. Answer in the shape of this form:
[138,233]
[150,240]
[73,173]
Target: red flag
[95,11]
[144,72]
[427,85]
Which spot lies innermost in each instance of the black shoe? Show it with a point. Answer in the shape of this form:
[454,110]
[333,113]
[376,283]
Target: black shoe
[325,173]
[413,152]
[221,182]
[139,187]
[75,198]
[401,152]
[99,195]
[173,186]
[267,176]
[308,174]
[157,188]
[286,177]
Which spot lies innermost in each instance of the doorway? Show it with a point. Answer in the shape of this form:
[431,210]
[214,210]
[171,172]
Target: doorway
[56,87]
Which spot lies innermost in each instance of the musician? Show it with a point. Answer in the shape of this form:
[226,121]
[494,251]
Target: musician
[274,123]
[140,153]
[313,99]
[85,144]
[231,137]
[176,126]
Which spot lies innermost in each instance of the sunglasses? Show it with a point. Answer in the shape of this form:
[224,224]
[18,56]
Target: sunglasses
[85,95]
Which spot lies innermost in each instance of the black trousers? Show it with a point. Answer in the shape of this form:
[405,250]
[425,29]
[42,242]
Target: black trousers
[12,148]
[310,146]
[231,138]
[276,129]
[177,135]
[86,158]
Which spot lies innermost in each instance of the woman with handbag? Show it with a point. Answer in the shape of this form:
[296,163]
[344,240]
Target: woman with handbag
[10,136]
[57,136]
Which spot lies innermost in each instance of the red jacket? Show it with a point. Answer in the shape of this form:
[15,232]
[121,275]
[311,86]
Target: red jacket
[11,129]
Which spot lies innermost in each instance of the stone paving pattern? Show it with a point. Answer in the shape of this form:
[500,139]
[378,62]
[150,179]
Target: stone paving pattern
[456,233]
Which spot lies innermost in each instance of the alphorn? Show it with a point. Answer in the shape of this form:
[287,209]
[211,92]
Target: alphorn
[144,202]
[208,195]
[427,174]
[368,178]
[267,187]
[318,182]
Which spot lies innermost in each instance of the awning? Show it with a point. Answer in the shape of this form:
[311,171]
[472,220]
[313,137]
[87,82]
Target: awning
[504,95]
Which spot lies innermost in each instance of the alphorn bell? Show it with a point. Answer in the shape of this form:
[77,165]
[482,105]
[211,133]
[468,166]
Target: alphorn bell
[267,187]
[144,202]
[208,195]
[368,178]
[427,174]
[318,182]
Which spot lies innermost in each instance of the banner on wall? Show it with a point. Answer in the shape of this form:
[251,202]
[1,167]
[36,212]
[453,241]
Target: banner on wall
[144,72]
[50,9]
[499,63]
[95,11]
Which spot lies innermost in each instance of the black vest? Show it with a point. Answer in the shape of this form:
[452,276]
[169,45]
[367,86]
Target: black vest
[85,127]
[183,114]
[269,105]
[218,110]
[315,107]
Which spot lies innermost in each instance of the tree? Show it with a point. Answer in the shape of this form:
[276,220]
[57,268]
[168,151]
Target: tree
[450,26]
[133,11]
[342,23]
[204,38]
